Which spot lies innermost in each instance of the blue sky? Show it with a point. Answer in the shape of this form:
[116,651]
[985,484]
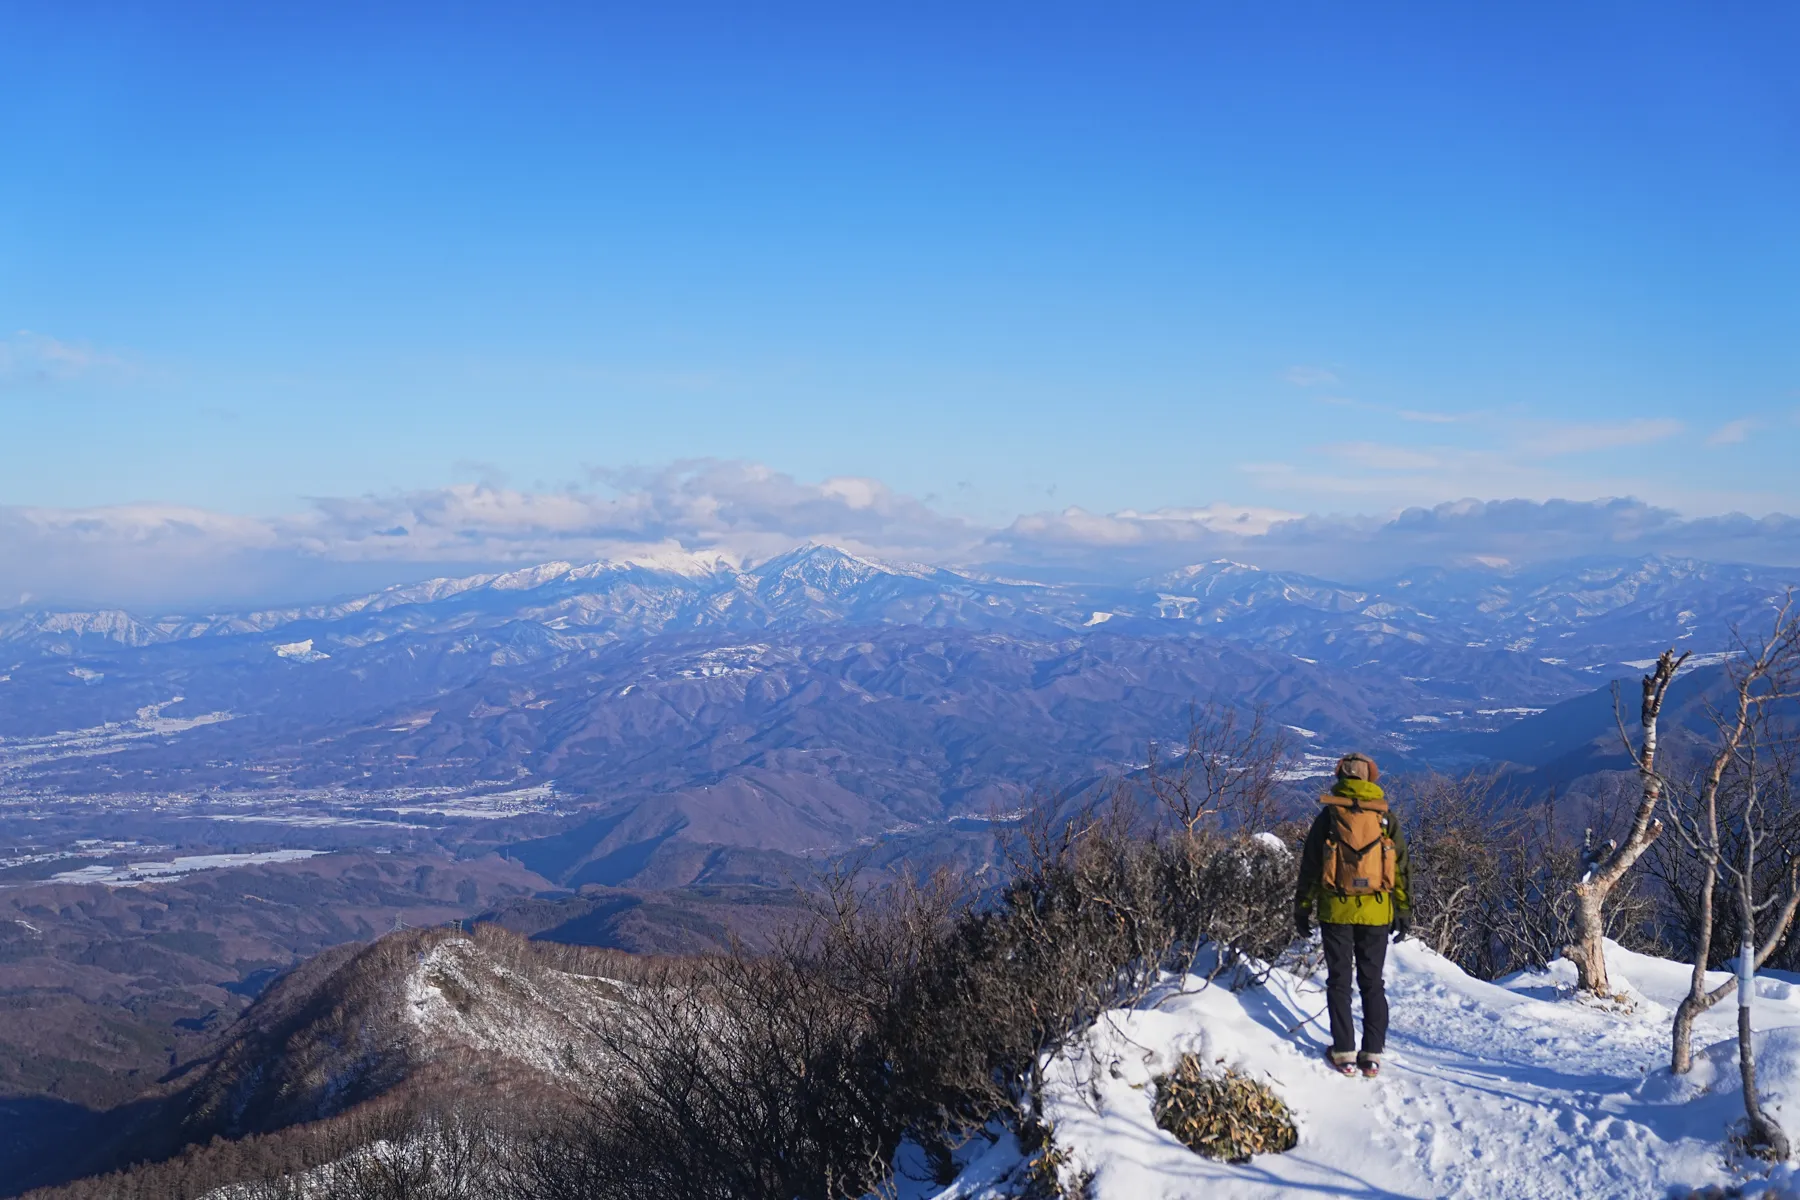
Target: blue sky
[1003,259]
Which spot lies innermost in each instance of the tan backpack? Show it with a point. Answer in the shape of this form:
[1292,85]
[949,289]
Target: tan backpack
[1359,854]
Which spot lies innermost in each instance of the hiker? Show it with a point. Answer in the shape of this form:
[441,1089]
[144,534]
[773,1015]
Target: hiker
[1354,868]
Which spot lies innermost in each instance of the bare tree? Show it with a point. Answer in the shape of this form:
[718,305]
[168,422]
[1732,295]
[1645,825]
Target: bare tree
[1723,821]
[1603,866]
[1456,836]
[1229,770]
[1763,1131]
[1738,810]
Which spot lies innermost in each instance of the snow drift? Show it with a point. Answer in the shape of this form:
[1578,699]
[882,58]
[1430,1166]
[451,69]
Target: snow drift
[1506,1089]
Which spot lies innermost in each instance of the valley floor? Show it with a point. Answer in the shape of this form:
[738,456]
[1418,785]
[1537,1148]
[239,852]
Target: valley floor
[1509,1089]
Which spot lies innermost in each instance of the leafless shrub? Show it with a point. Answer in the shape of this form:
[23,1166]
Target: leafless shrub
[1454,843]
[1227,773]
[743,1078]
[1096,911]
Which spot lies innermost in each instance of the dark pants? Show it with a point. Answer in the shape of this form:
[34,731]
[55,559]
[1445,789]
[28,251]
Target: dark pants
[1363,947]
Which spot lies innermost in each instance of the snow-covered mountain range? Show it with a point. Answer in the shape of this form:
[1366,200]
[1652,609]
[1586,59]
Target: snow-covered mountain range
[683,704]
[1572,614]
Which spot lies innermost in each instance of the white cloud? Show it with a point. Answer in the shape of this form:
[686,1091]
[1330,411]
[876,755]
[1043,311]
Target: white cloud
[27,357]
[171,558]
[1128,528]
[1309,376]
[170,555]
[1516,532]
[1514,456]
[1414,415]
[745,510]
[1219,518]
[1731,433]
[1586,437]
[1381,457]
[1388,475]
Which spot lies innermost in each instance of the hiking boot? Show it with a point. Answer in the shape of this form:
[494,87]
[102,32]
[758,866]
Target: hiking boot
[1370,1068]
[1342,1066]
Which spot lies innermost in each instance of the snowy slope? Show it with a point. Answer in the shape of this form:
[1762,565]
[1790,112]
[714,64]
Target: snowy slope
[464,996]
[1489,1090]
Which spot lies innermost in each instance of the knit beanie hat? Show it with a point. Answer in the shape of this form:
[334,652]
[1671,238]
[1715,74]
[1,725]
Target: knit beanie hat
[1358,766]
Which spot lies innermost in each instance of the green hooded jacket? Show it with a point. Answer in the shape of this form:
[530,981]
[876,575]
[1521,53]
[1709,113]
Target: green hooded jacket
[1377,909]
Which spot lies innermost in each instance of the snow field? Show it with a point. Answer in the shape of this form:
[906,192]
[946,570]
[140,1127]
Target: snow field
[138,873]
[1489,1090]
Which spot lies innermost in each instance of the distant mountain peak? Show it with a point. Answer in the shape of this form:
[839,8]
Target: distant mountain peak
[823,558]
[820,552]
[530,577]
[676,561]
[1217,566]
[690,564]
[670,560]
[1204,574]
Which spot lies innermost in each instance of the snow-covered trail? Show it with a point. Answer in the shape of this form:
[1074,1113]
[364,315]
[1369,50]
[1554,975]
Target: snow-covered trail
[1488,1090]
[1507,1091]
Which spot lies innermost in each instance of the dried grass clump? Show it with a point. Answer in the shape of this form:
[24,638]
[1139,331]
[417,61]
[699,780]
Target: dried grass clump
[1047,1173]
[1227,1115]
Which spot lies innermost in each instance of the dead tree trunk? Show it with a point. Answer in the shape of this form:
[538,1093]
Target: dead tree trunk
[1604,866]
